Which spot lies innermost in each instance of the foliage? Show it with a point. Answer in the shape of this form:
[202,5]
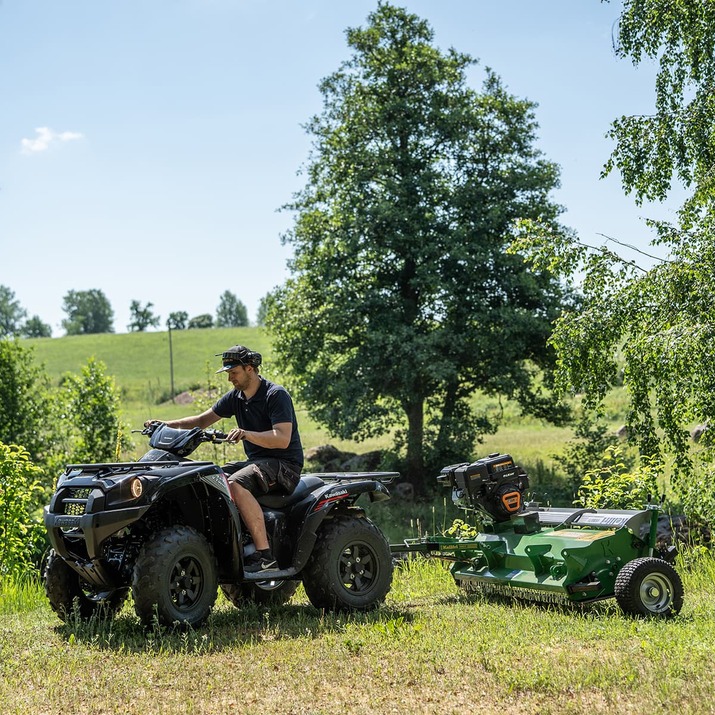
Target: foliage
[91,413]
[614,485]
[88,311]
[676,140]
[656,326]
[231,312]
[402,300]
[11,313]
[591,446]
[22,401]
[177,320]
[35,328]
[142,318]
[18,531]
[262,311]
[205,320]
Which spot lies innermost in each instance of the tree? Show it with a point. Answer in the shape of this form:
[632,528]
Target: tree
[262,311]
[11,313]
[91,403]
[677,139]
[22,401]
[205,320]
[402,300]
[35,328]
[655,324]
[88,311]
[177,320]
[142,318]
[231,312]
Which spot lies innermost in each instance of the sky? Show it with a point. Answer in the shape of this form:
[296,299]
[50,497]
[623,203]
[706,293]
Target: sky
[147,146]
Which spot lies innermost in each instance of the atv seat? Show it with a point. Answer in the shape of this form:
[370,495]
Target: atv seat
[278,501]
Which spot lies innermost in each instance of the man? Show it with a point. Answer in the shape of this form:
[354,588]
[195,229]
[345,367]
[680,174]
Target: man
[268,427]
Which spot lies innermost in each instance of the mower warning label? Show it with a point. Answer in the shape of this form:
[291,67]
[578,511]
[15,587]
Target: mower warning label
[586,535]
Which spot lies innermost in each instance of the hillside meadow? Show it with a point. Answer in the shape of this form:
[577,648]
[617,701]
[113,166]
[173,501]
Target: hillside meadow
[140,364]
[430,648]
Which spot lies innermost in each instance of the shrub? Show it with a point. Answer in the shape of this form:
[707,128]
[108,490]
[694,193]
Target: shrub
[617,485]
[19,533]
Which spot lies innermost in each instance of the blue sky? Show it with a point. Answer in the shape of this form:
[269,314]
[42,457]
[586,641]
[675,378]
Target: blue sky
[147,145]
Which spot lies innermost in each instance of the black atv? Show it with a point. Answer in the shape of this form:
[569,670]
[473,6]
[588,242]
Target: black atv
[166,528]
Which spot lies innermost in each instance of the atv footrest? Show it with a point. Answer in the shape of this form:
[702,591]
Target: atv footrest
[270,575]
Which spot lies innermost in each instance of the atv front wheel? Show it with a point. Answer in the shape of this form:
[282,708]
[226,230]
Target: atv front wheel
[175,578]
[649,587]
[265,593]
[68,593]
[350,567]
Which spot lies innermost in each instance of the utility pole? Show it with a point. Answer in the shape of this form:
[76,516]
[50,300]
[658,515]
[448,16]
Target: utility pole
[171,359]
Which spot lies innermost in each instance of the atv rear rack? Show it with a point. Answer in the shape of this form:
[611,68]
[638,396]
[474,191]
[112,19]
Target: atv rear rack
[382,477]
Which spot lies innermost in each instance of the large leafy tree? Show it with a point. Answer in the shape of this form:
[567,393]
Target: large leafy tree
[402,301]
[142,317]
[11,313]
[655,323]
[88,311]
[231,312]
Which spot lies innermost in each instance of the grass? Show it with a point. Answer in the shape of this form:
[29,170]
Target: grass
[429,649]
[140,365]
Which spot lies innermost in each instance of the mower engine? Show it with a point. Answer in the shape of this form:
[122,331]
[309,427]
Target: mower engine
[494,486]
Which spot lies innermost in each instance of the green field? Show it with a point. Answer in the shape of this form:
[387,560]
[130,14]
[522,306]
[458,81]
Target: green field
[140,364]
[428,649]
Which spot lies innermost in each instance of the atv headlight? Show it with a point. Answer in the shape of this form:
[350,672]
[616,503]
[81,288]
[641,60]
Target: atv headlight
[136,487]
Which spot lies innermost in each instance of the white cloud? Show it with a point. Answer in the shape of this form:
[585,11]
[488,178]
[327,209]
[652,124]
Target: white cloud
[45,137]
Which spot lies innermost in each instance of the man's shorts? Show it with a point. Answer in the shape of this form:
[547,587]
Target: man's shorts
[265,476]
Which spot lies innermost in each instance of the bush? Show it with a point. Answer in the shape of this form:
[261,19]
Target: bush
[615,485]
[19,533]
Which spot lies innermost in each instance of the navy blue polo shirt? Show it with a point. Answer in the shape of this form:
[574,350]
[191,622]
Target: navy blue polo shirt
[270,406]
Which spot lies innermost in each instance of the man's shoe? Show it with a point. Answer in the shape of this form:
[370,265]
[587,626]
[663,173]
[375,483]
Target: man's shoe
[260,561]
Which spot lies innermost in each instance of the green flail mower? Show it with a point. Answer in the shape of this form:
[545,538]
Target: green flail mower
[550,554]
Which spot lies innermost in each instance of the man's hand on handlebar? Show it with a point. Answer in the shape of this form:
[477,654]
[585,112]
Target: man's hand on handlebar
[236,435]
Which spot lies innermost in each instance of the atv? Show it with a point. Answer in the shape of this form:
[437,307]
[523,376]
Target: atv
[166,529]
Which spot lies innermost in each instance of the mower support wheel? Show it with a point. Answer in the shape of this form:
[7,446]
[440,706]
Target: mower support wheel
[649,587]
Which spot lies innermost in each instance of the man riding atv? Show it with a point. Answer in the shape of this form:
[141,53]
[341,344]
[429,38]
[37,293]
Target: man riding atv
[268,428]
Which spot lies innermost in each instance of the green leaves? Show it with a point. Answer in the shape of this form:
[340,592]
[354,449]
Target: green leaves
[18,531]
[401,290]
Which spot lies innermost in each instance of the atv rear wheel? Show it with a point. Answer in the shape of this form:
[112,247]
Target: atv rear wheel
[649,587]
[175,578]
[69,594]
[265,593]
[350,567]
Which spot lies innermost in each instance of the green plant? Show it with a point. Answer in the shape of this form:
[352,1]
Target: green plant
[616,485]
[18,531]
[91,402]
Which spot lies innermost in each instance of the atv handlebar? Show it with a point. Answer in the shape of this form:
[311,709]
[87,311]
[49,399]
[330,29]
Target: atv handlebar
[207,435]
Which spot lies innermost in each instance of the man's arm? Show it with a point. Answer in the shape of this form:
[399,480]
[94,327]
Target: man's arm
[276,438]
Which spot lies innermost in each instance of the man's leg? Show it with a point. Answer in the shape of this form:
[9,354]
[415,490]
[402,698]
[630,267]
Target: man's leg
[251,513]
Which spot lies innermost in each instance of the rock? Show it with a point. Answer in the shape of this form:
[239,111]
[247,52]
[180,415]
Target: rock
[367,462]
[698,431]
[323,453]
[403,491]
